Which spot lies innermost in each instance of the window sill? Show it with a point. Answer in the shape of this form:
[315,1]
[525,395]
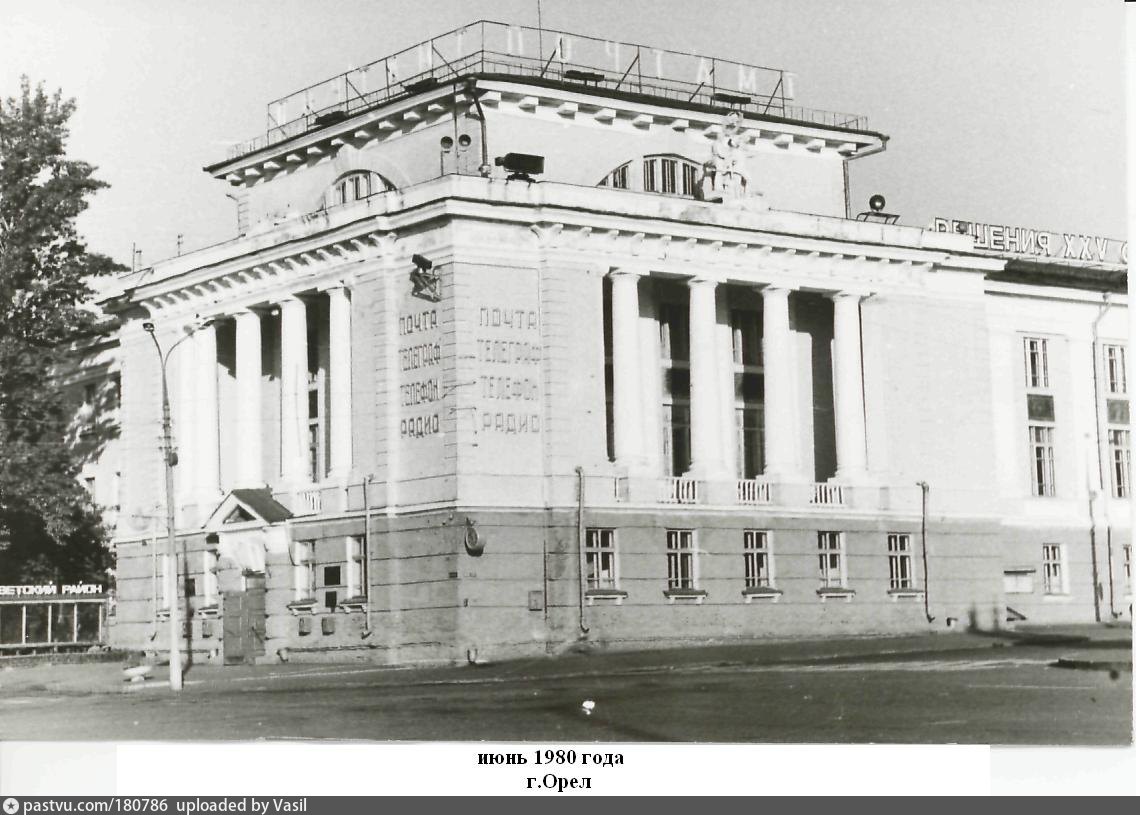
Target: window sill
[761,593]
[910,594]
[210,612]
[686,595]
[353,604]
[835,593]
[607,596]
[302,607]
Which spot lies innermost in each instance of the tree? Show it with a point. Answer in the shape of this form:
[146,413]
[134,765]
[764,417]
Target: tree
[49,530]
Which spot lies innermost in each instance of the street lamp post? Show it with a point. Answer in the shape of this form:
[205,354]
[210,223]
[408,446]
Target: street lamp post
[169,461]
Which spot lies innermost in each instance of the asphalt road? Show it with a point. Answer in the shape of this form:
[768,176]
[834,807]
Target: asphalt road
[992,695]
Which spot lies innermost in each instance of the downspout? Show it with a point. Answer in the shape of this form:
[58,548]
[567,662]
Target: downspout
[485,166]
[925,565]
[1099,469]
[367,557]
[581,551]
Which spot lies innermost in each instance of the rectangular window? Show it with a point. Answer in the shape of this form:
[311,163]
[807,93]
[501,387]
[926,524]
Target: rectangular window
[1052,571]
[619,178]
[1120,453]
[690,180]
[675,424]
[356,555]
[669,176]
[304,571]
[1041,449]
[1128,566]
[901,561]
[757,560]
[601,559]
[674,326]
[832,564]
[1115,369]
[746,337]
[1018,581]
[1036,363]
[681,557]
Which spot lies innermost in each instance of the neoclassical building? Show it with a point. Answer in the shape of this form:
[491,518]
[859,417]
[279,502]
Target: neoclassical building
[517,349]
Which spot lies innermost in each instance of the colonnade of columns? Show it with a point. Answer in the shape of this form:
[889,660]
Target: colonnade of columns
[198,409]
[634,446]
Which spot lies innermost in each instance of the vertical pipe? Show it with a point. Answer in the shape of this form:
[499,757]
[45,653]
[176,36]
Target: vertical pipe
[581,551]
[925,565]
[367,555]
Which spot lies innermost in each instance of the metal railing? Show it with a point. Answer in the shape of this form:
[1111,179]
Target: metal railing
[487,47]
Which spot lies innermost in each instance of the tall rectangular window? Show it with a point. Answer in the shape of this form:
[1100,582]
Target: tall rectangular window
[649,175]
[1128,566]
[673,319]
[356,555]
[681,559]
[673,324]
[1120,455]
[601,559]
[1053,568]
[748,382]
[832,563]
[690,179]
[1036,363]
[304,571]
[1115,371]
[1041,450]
[757,560]
[901,562]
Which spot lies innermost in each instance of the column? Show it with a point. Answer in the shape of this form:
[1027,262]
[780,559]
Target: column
[705,415]
[340,382]
[294,393]
[779,392]
[847,361]
[208,447]
[248,414]
[182,364]
[628,411]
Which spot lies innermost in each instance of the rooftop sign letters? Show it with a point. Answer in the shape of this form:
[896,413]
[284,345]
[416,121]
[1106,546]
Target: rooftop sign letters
[1019,240]
[51,590]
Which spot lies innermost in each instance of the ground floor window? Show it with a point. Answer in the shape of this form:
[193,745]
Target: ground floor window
[601,559]
[681,557]
[832,560]
[1017,581]
[1121,461]
[901,561]
[304,571]
[757,560]
[1053,575]
[356,556]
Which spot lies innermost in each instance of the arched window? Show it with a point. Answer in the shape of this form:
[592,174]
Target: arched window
[357,185]
[664,174]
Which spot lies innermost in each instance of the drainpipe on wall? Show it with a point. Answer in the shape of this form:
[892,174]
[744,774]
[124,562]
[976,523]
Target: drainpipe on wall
[367,556]
[925,566]
[581,551]
[485,166]
[1099,456]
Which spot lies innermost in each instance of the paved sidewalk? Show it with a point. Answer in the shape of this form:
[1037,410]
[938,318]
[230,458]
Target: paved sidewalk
[1092,647]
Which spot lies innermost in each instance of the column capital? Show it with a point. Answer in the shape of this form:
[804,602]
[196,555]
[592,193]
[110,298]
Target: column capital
[774,290]
[625,272]
[849,294]
[698,281]
[335,285]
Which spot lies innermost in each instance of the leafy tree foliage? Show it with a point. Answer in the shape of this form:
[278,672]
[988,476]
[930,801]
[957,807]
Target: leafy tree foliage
[49,529]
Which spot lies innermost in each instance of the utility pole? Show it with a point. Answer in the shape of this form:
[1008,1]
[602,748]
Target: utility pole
[169,460]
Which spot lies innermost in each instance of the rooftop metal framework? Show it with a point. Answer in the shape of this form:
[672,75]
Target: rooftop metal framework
[498,49]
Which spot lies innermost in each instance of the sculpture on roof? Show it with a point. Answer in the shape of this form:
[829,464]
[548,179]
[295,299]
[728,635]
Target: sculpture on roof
[724,178]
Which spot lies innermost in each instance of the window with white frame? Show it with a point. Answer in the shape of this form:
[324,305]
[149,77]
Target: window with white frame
[757,560]
[832,560]
[304,571]
[1041,454]
[1120,461]
[1115,371]
[356,186]
[618,178]
[1017,581]
[356,555]
[681,558]
[1128,567]
[900,558]
[601,560]
[1036,363]
[1053,569]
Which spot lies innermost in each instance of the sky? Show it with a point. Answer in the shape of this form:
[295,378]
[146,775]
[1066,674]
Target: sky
[998,111]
